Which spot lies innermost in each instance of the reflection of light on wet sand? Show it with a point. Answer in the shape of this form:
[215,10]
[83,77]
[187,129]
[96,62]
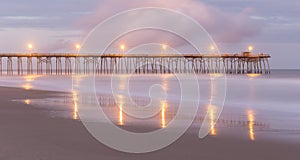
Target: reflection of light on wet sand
[211,108]
[163,114]
[165,88]
[123,82]
[75,109]
[212,120]
[216,75]
[30,78]
[164,84]
[251,124]
[121,122]
[27,86]
[75,113]
[27,101]
[120,102]
[253,75]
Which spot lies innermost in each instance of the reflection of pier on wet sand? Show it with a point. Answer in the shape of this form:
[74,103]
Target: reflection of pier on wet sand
[66,64]
[168,112]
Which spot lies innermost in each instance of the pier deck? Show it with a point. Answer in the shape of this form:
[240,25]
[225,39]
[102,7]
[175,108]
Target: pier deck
[69,63]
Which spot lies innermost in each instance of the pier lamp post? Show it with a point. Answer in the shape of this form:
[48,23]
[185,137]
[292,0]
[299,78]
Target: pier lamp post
[77,46]
[250,48]
[212,48]
[30,47]
[164,48]
[122,47]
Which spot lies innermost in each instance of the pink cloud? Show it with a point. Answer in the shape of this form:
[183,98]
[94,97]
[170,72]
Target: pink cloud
[223,26]
[59,45]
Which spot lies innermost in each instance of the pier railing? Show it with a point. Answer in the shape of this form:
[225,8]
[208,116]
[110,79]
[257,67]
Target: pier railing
[67,64]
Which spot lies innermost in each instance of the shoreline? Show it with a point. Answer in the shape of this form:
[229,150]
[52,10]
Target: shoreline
[28,134]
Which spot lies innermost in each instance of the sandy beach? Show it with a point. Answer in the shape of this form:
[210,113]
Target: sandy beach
[27,133]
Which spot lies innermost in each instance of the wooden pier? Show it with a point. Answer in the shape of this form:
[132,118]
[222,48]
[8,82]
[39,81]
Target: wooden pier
[67,64]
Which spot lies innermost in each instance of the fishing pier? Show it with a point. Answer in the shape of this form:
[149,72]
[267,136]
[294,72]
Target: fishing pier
[73,63]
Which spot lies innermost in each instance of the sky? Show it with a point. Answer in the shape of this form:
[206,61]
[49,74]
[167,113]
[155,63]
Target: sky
[271,26]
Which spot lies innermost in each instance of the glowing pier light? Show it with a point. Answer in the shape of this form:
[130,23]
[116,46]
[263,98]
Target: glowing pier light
[250,48]
[212,48]
[164,47]
[77,46]
[251,125]
[122,47]
[30,47]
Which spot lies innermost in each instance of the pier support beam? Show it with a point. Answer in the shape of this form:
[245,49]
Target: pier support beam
[29,66]
[9,66]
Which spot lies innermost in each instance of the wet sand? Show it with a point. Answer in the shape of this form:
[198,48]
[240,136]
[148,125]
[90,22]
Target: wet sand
[26,133]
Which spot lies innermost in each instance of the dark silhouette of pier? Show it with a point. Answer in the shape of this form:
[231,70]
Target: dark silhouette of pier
[67,64]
